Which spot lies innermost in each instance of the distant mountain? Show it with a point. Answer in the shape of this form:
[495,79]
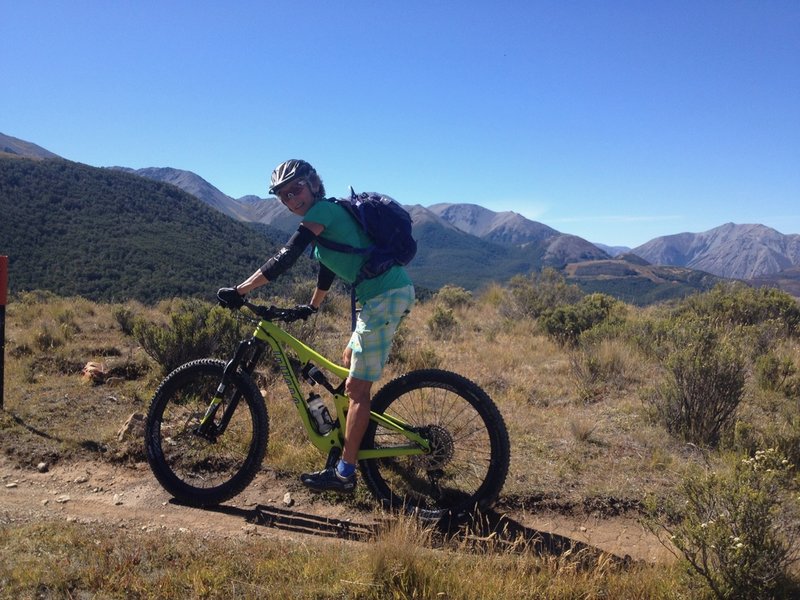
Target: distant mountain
[11,146]
[634,280]
[511,229]
[269,211]
[613,250]
[507,228]
[461,244]
[191,183]
[734,251]
[448,255]
[250,209]
[470,246]
[112,236]
[482,246]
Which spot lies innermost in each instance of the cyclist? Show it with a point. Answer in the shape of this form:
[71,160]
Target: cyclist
[384,299]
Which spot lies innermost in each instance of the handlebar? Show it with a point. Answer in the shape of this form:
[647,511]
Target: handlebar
[273,313]
[231,299]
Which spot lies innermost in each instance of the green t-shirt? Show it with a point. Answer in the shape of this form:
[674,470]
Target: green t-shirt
[340,227]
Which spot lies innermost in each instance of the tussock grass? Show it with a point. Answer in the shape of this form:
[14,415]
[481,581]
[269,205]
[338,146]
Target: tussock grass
[72,560]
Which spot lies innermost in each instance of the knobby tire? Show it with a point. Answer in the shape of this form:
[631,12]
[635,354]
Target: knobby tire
[194,469]
[467,468]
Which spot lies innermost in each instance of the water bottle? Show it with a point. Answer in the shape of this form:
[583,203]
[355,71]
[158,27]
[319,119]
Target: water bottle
[320,413]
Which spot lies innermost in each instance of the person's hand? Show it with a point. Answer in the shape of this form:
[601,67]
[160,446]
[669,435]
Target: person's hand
[305,310]
[347,356]
[230,298]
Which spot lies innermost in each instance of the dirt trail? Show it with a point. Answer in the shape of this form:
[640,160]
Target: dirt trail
[129,497]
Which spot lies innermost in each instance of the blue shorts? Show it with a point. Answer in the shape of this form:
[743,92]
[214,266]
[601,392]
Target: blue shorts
[375,327]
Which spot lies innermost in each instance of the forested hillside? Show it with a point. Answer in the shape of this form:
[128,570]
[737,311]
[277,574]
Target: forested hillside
[112,236]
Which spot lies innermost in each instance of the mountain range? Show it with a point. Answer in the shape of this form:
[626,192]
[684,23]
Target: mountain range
[736,251]
[479,246]
[746,252]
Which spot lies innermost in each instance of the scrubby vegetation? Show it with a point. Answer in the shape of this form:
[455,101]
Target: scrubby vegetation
[738,526]
[110,236]
[685,413]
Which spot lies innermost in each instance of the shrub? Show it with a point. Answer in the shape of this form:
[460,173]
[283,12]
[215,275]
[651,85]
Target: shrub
[423,358]
[738,529]
[595,368]
[566,323]
[494,295]
[739,304]
[196,330]
[774,373]
[705,384]
[50,336]
[540,293]
[453,297]
[125,318]
[442,323]
[397,353]
[65,318]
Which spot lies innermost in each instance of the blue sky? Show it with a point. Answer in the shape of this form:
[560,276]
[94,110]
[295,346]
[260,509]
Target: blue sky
[617,121]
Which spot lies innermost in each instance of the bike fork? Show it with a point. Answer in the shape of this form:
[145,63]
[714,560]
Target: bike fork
[207,427]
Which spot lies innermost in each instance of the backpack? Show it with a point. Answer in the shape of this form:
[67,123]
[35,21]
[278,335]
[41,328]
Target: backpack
[386,223]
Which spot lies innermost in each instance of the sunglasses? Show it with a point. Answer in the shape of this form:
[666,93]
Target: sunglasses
[295,190]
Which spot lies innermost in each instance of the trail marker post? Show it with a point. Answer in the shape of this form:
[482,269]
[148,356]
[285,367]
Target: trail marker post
[3,298]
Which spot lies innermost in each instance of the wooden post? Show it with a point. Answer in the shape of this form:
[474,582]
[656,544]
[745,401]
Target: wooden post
[3,298]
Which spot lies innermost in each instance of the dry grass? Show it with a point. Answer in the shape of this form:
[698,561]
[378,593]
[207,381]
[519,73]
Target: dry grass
[578,427]
[64,560]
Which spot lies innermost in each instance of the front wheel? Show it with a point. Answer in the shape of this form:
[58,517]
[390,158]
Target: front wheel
[470,450]
[205,467]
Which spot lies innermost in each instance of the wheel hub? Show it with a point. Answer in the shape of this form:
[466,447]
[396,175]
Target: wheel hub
[442,448]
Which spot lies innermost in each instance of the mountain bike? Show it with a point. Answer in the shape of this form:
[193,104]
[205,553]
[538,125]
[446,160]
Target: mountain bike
[436,444]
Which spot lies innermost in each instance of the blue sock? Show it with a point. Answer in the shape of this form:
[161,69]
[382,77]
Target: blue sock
[345,469]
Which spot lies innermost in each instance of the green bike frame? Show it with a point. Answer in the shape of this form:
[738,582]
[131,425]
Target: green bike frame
[277,339]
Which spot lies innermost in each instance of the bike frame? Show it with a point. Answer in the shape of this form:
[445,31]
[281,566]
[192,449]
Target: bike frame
[268,334]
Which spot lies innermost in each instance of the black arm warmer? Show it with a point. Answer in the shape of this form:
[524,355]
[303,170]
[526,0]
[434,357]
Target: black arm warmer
[325,278]
[287,255]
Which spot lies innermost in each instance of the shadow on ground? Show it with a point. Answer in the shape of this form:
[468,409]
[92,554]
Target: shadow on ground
[489,531]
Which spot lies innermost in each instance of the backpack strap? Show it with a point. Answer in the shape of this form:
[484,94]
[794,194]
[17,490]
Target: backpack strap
[358,218]
[346,248]
[352,307]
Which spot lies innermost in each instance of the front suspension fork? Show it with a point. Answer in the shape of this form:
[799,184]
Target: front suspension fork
[207,427]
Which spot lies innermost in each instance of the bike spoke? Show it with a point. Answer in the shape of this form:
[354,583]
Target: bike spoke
[461,449]
[203,464]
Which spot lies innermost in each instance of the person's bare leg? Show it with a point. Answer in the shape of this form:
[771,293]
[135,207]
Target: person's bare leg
[358,390]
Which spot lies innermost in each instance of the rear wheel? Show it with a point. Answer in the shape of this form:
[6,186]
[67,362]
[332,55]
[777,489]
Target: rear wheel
[469,457]
[209,468]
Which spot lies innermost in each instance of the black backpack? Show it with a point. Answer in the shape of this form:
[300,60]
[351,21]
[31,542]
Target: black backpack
[386,223]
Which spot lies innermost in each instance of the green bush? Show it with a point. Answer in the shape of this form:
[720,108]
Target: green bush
[704,386]
[196,330]
[398,351]
[453,297]
[738,529]
[565,324]
[774,373]
[125,318]
[739,304]
[442,323]
[540,293]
